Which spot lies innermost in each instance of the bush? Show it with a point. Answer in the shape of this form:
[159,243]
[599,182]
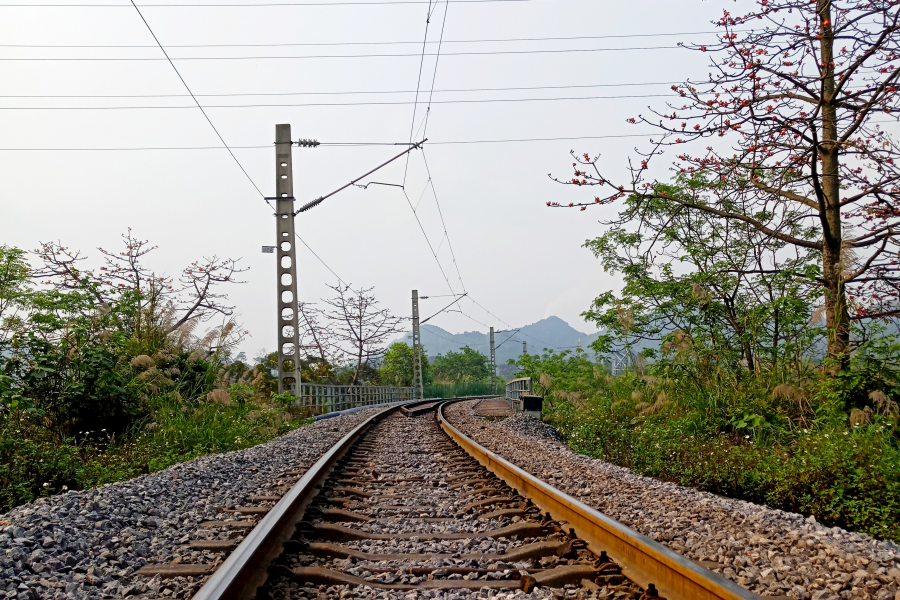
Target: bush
[845,477]
[174,430]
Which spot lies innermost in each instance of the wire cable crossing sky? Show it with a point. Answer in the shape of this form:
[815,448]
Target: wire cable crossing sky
[103,116]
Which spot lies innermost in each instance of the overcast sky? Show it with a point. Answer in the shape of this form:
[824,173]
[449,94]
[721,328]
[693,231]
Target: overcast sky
[518,259]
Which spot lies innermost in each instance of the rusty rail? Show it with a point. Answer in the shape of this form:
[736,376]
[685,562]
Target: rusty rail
[246,568]
[643,560]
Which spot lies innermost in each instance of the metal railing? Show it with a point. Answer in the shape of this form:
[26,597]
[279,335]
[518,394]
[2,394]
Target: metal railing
[515,389]
[322,399]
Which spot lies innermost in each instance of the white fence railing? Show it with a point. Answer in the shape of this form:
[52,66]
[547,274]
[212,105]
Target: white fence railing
[322,399]
[515,389]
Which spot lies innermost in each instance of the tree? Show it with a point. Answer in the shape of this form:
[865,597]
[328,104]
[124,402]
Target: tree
[317,342]
[360,328]
[796,91]
[161,305]
[397,366]
[691,272]
[13,289]
[89,347]
[465,366]
[564,374]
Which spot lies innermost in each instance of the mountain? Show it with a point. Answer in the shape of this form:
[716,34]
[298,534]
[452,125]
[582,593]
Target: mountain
[551,333]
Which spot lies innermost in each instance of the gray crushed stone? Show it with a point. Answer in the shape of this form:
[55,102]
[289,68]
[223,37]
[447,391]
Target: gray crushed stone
[88,544]
[768,551]
[530,427]
[400,445]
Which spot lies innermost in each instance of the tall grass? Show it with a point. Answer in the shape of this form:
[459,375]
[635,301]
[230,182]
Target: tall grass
[34,465]
[787,449]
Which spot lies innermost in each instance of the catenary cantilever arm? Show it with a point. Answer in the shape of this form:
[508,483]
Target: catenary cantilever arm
[319,200]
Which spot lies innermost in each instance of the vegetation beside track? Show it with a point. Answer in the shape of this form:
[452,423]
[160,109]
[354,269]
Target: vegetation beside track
[113,371]
[104,374]
[741,435]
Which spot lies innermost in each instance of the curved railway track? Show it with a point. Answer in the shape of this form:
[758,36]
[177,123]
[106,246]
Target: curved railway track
[407,506]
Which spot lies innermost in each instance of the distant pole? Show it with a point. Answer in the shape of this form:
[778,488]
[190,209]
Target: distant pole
[418,386]
[579,345]
[525,348]
[493,365]
[288,349]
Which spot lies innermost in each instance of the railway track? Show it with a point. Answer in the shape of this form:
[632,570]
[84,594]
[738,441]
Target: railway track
[406,506]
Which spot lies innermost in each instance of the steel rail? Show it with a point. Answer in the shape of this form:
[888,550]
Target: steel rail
[643,560]
[247,567]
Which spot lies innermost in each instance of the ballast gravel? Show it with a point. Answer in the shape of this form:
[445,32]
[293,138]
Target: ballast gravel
[530,427]
[88,544]
[768,551]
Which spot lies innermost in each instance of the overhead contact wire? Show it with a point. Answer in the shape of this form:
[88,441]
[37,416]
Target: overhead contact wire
[412,125]
[434,73]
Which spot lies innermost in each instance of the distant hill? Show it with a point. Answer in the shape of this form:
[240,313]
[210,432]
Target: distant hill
[552,333]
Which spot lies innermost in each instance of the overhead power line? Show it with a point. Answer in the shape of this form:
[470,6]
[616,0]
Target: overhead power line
[434,73]
[424,331]
[439,296]
[254,5]
[443,309]
[428,241]
[221,139]
[319,258]
[349,92]
[312,104]
[312,56]
[507,339]
[448,142]
[208,120]
[382,43]
[443,223]
[412,125]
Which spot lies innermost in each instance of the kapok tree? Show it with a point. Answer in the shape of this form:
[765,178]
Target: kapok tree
[361,327]
[792,116]
[194,296]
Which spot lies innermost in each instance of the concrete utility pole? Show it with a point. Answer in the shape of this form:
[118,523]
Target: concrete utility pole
[525,348]
[288,347]
[493,365]
[418,387]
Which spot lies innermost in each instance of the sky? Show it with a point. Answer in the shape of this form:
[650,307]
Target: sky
[342,73]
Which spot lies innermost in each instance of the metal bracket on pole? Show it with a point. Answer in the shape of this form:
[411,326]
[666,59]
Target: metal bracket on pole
[493,365]
[418,386]
[288,331]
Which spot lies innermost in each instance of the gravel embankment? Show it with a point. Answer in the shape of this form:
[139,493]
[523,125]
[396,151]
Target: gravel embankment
[768,551]
[88,544]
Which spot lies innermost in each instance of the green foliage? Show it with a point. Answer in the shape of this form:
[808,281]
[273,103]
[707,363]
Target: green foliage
[173,431]
[397,366]
[741,299]
[465,366]
[102,377]
[284,399]
[874,366]
[458,390]
[793,446]
[848,478]
[13,288]
[552,371]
